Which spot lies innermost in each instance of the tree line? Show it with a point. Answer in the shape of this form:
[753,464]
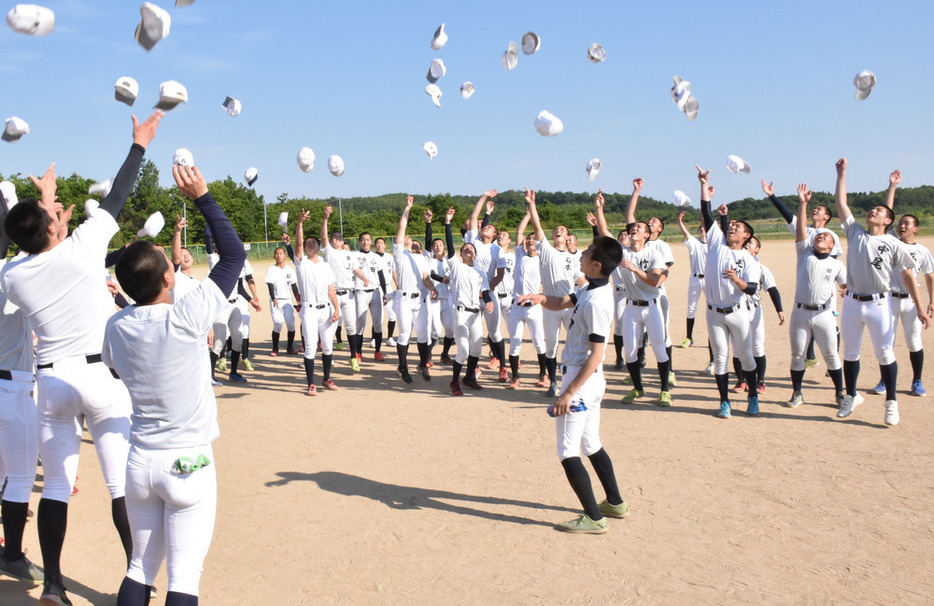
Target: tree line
[379,215]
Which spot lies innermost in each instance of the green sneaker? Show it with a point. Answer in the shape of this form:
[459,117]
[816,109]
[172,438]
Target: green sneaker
[614,511]
[222,365]
[664,398]
[630,397]
[627,380]
[671,380]
[247,364]
[584,525]
[339,346]
[687,343]
[354,365]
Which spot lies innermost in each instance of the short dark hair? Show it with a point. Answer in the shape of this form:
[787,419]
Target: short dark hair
[826,210]
[140,270]
[913,218]
[758,242]
[315,238]
[749,230]
[378,239]
[659,219]
[889,213]
[364,233]
[607,252]
[27,224]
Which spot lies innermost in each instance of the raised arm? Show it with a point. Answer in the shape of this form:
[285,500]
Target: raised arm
[448,232]
[300,234]
[428,236]
[839,194]
[143,133]
[180,224]
[804,196]
[227,271]
[472,221]
[533,212]
[684,230]
[894,179]
[523,224]
[705,194]
[769,190]
[598,203]
[325,241]
[633,200]
[404,220]
[488,214]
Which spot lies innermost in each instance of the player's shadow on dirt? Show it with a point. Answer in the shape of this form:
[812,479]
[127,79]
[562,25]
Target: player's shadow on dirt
[16,592]
[410,497]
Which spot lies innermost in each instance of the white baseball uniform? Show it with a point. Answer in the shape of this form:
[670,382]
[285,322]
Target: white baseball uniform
[280,307]
[816,278]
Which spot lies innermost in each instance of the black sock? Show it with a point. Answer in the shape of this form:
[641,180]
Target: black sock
[797,377]
[810,354]
[580,483]
[403,352]
[604,467]
[542,364]
[391,328]
[229,344]
[691,328]
[234,362]
[457,366]
[551,364]
[133,592]
[446,348]
[723,386]
[917,364]
[326,361]
[337,334]
[664,371]
[472,362]
[122,524]
[710,352]
[618,346]
[428,347]
[635,371]
[51,523]
[174,598]
[213,361]
[671,364]
[14,521]
[500,347]
[850,374]
[760,369]
[641,356]
[890,376]
[245,350]
[309,370]
[378,337]
[837,377]
[738,369]
[422,354]
[275,341]
[514,366]
[291,336]
[750,377]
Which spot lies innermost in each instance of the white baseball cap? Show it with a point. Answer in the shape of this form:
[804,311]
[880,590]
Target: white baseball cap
[864,81]
[467,90]
[232,106]
[306,159]
[735,164]
[679,198]
[171,93]
[680,92]
[435,93]
[336,165]
[8,191]
[125,90]
[183,157]
[531,43]
[547,124]
[90,205]
[593,167]
[431,149]
[152,226]
[284,220]
[439,39]
[251,175]
[596,53]
[690,109]
[15,129]
[153,25]
[31,19]
[511,56]
[102,188]
[184,2]
[436,70]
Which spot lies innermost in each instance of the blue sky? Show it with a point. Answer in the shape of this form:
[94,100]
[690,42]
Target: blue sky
[774,81]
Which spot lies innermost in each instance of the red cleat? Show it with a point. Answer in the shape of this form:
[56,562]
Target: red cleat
[494,363]
[448,360]
[503,375]
[312,391]
[542,381]
[472,384]
[378,356]
[514,384]
[330,385]
[760,387]
[456,388]
[274,353]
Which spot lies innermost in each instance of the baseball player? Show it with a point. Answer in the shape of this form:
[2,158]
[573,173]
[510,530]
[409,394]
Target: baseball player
[412,271]
[170,475]
[697,257]
[182,260]
[441,312]
[559,272]
[19,428]
[657,226]
[872,257]
[644,270]
[342,264]
[320,308]
[527,280]
[241,311]
[619,288]
[502,282]
[386,264]
[757,328]
[577,408]
[467,286]
[280,279]
[812,316]
[902,306]
[727,316]
[368,295]
[59,287]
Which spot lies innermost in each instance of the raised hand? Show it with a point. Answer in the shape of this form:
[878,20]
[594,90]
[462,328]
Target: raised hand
[702,175]
[189,180]
[180,223]
[428,216]
[145,132]
[637,184]
[841,166]
[804,194]
[599,201]
[449,215]
[530,196]
[327,211]
[769,188]
[896,177]
[591,219]
[303,216]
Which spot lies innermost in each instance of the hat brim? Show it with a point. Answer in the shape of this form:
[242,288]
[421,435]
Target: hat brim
[124,96]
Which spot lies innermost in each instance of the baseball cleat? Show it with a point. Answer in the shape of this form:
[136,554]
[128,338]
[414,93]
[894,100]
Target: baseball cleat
[222,365]
[312,391]
[686,343]
[552,390]
[740,386]
[503,375]
[339,346]
[53,594]
[878,390]
[614,511]
[293,351]
[423,370]
[542,381]
[634,393]
[514,384]
[760,387]
[664,398]
[810,363]
[848,404]
[236,378]
[456,388]
[372,342]
[472,383]
[620,365]
[796,400]
[494,363]
[354,365]
[378,356]
[22,569]
[390,342]
[891,412]
[724,412]
[752,406]
[584,525]
[329,384]
[446,359]
[672,380]
[917,388]
[404,373]
[247,364]
[711,369]
[274,353]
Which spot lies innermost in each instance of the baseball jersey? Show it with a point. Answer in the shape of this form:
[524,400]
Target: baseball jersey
[558,269]
[871,261]
[528,274]
[766,281]
[646,259]
[718,290]
[386,264]
[183,285]
[342,264]
[442,267]
[815,277]
[367,263]
[409,269]
[314,278]
[282,279]
[836,251]
[466,284]
[590,321]
[505,260]
[244,282]
[667,255]
[15,337]
[63,293]
[924,265]
[697,255]
[180,413]
[484,256]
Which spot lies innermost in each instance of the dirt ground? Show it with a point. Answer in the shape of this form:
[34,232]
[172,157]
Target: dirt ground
[383,493]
